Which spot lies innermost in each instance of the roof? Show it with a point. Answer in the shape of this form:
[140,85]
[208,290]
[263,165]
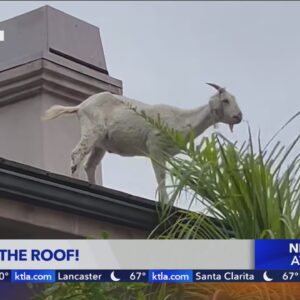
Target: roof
[28,184]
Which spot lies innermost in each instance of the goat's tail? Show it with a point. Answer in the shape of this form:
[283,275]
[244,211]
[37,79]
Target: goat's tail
[57,110]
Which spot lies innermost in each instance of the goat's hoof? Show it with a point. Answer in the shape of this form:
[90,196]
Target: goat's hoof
[73,169]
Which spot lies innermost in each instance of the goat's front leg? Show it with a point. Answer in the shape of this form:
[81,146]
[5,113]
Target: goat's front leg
[160,174]
[158,164]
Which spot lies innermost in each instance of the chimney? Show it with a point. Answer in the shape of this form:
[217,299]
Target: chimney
[47,57]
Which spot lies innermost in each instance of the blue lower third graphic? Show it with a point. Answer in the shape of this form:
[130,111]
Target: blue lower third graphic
[277,254]
[33,276]
[170,276]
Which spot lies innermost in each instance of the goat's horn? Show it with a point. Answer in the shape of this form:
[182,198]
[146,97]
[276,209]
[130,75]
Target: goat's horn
[218,88]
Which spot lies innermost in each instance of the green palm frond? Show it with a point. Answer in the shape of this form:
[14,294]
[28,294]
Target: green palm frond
[244,193]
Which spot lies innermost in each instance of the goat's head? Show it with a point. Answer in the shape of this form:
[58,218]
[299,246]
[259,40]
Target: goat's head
[224,107]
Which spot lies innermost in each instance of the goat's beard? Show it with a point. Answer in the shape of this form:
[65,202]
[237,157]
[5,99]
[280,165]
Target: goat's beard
[231,127]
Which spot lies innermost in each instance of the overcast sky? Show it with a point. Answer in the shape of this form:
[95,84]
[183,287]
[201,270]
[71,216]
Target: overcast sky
[164,52]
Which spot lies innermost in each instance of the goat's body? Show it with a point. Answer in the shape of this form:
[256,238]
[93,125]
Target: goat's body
[121,130]
[109,124]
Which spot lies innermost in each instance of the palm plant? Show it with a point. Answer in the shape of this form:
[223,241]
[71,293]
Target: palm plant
[245,194]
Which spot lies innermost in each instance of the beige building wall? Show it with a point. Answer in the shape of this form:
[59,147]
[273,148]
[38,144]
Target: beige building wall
[40,68]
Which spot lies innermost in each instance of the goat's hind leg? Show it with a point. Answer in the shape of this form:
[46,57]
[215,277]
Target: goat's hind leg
[93,130]
[85,145]
[91,163]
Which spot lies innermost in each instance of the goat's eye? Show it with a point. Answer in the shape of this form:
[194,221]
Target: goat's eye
[225,101]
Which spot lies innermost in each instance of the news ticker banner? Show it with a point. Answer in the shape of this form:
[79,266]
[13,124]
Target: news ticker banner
[148,276]
[150,254]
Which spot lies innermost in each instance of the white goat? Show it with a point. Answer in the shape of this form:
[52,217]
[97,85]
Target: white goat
[108,124]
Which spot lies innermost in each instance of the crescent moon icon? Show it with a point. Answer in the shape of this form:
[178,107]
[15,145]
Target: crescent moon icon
[266,277]
[113,277]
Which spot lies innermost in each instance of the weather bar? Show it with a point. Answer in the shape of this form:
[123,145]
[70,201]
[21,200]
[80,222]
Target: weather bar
[148,276]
